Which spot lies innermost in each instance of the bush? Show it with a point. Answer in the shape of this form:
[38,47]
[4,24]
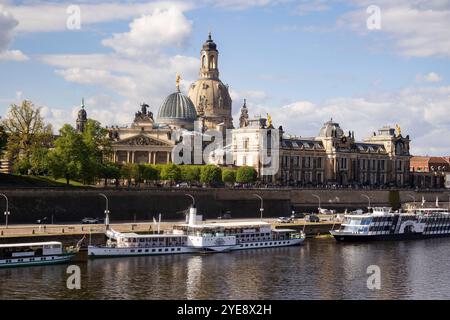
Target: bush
[171,172]
[210,174]
[229,176]
[190,173]
[149,173]
[246,175]
[22,167]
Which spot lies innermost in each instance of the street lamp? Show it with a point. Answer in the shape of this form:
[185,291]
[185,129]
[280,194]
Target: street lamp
[368,198]
[7,213]
[193,199]
[262,204]
[318,198]
[106,211]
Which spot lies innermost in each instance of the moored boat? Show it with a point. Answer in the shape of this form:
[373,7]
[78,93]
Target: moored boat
[196,237]
[384,224]
[37,253]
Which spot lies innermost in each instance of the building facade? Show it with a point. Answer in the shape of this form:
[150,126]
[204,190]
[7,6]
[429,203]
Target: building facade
[150,140]
[330,158]
[429,172]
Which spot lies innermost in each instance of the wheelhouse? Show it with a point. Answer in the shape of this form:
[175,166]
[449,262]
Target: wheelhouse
[30,249]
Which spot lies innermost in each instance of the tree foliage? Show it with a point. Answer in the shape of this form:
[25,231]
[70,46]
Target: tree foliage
[26,130]
[190,173]
[229,176]
[171,172]
[246,174]
[66,159]
[210,174]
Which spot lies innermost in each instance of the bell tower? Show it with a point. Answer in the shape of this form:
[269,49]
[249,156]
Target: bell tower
[82,118]
[209,58]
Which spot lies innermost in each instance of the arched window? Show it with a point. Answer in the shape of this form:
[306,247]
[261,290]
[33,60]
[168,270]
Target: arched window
[204,62]
[212,62]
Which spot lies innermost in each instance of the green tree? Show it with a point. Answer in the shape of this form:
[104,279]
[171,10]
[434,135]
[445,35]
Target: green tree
[3,139]
[229,176]
[246,175]
[22,166]
[109,170]
[97,146]
[190,173]
[149,173]
[126,173]
[210,174]
[66,160]
[39,161]
[26,130]
[171,172]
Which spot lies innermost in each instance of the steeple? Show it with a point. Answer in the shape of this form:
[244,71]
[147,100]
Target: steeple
[209,59]
[82,117]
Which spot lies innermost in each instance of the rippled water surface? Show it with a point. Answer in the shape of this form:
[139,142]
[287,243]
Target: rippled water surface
[319,269]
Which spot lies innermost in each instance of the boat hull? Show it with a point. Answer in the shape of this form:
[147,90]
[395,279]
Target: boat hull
[269,244]
[384,237]
[38,261]
[104,252]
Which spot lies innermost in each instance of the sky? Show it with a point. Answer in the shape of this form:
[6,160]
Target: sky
[303,62]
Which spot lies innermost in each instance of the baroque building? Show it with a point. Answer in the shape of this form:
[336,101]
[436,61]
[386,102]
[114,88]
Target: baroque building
[150,139]
[210,96]
[333,157]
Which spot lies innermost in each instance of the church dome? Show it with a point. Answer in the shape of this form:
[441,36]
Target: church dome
[178,110]
[331,129]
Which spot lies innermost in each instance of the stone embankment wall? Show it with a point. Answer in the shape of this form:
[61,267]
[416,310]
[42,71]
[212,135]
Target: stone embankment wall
[65,205]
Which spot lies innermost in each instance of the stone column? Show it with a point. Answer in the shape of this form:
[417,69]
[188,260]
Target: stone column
[132,156]
[150,155]
[168,157]
[128,157]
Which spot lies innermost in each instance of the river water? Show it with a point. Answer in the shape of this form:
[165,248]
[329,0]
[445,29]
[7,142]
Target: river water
[319,269]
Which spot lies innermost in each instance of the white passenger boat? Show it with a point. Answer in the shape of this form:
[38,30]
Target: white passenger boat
[39,253]
[195,236]
[383,224]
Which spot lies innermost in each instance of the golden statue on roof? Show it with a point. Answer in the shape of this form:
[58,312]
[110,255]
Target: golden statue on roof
[269,120]
[398,130]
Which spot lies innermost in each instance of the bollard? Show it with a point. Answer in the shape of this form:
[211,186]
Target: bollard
[32,232]
[2,232]
[62,231]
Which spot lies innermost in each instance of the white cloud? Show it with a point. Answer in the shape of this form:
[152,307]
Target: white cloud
[138,71]
[241,4]
[13,55]
[418,28]
[7,25]
[312,6]
[152,32]
[422,112]
[430,77]
[49,17]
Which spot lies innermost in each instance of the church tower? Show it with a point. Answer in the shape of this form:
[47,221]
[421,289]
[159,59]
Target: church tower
[82,118]
[210,96]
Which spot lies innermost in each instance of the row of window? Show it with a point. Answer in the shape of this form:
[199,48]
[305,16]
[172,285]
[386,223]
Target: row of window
[263,244]
[29,260]
[302,162]
[155,250]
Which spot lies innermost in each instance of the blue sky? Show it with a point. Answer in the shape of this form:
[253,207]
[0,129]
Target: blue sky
[302,61]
